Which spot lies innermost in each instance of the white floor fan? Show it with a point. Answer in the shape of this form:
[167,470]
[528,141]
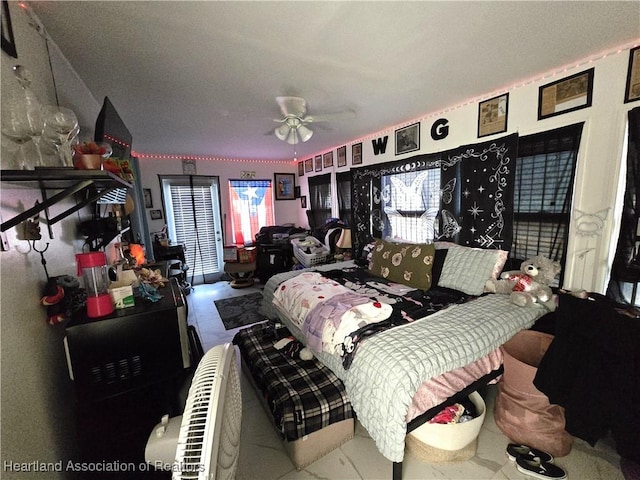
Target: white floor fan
[204,442]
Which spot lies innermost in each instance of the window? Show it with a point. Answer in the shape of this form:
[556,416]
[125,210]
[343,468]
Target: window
[193,220]
[251,208]
[545,170]
[411,202]
[319,200]
[343,182]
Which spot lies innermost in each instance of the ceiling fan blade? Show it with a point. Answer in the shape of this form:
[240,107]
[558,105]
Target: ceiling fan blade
[295,106]
[330,117]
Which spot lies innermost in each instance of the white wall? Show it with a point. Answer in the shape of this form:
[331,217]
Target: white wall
[599,163]
[37,396]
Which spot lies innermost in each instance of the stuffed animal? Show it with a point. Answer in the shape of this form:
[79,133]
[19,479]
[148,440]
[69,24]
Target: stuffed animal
[530,284]
[62,296]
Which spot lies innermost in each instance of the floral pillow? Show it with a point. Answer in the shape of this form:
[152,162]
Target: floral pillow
[406,263]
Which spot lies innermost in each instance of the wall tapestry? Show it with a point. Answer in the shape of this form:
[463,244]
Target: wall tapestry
[465,199]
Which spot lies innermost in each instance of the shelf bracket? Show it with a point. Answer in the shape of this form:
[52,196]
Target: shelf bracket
[46,203]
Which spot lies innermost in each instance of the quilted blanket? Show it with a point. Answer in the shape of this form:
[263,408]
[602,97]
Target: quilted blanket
[390,366]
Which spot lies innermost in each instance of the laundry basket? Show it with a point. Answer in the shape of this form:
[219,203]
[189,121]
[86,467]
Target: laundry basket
[448,443]
[522,412]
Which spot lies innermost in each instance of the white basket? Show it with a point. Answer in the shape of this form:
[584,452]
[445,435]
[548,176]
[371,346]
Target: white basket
[452,436]
[321,253]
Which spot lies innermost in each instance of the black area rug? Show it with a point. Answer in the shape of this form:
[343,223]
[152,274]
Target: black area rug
[240,311]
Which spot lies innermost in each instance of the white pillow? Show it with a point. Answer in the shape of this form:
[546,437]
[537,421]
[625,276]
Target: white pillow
[467,269]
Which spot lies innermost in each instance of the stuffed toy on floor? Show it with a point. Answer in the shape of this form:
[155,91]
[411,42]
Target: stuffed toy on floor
[530,284]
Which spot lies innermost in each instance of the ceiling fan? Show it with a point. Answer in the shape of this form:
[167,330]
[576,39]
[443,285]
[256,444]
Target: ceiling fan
[294,127]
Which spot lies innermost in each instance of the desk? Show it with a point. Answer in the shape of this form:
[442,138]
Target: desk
[241,273]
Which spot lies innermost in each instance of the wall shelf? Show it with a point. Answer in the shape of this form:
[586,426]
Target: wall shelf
[68,182]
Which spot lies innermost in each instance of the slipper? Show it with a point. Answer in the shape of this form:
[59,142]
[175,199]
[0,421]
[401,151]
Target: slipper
[515,450]
[538,469]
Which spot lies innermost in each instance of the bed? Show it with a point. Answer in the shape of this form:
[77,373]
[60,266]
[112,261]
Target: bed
[399,370]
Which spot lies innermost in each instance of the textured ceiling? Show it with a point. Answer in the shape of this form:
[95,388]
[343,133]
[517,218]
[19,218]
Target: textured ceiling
[200,78]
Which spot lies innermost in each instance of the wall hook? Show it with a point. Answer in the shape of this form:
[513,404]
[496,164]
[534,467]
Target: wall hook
[42,259]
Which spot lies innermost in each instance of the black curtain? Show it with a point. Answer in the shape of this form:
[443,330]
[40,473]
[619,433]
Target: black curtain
[475,186]
[319,200]
[626,264]
[343,182]
[477,194]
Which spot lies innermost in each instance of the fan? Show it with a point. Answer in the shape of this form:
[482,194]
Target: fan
[295,119]
[204,442]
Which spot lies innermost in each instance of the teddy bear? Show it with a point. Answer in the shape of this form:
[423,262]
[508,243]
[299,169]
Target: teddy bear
[528,285]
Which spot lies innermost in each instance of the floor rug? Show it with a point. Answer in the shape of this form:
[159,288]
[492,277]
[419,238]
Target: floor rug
[240,311]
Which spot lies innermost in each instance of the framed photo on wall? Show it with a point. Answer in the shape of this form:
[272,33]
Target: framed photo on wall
[327,159]
[308,165]
[318,161]
[156,214]
[356,154]
[632,91]
[492,115]
[303,201]
[301,169]
[408,139]
[148,201]
[285,186]
[342,156]
[566,95]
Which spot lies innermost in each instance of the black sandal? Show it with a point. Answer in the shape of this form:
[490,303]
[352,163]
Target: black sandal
[515,450]
[538,469]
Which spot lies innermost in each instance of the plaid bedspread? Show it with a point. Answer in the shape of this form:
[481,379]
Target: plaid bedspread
[303,396]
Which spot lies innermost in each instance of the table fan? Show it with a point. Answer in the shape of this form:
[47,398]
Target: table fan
[204,442]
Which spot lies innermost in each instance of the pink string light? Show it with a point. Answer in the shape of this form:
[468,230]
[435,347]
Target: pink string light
[387,131]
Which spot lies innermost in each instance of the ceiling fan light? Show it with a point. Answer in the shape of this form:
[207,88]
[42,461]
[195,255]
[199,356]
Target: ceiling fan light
[282,132]
[305,133]
[292,139]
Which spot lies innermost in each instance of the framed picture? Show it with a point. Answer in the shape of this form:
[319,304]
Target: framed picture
[156,214]
[308,165]
[342,156]
[301,169]
[8,40]
[189,167]
[318,162]
[566,95]
[356,154]
[492,115]
[327,159]
[303,201]
[632,92]
[148,201]
[296,191]
[408,139]
[285,183]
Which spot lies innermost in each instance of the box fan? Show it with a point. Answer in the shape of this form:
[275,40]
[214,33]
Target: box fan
[204,442]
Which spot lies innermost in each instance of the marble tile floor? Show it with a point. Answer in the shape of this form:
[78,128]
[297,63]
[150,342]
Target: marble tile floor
[263,457]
